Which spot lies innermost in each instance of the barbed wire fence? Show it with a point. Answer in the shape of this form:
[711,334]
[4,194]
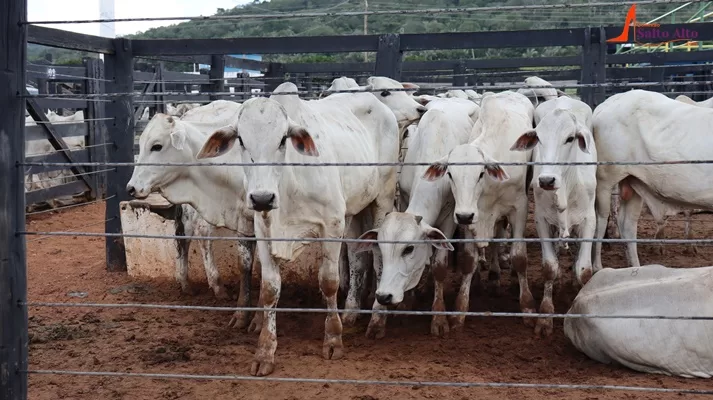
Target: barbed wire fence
[117,170]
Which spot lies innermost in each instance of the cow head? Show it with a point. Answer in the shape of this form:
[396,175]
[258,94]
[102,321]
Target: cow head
[264,134]
[402,103]
[163,141]
[467,181]
[560,137]
[403,264]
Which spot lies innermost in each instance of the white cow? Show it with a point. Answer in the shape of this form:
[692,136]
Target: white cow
[659,346]
[564,194]
[309,201]
[643,126]
[482,202]
[212,191]
[705,103]
[446,124]
[180,109]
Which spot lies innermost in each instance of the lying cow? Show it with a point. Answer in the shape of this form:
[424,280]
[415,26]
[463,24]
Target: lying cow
[564,194]
[659,346]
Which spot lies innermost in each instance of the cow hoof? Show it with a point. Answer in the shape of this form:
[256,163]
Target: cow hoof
[439,326]
[222,293]
[262,368]
[239,320]
[349,319]
[188,289]
[544,327]
[376,330]
[585,276]
[256,323]
[529,321]
[332,348]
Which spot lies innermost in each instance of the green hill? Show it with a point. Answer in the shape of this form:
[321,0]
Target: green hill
[498,19]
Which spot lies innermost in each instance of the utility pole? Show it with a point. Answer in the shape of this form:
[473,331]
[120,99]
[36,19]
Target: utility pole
[366,17]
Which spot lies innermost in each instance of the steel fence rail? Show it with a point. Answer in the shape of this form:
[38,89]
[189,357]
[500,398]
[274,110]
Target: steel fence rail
[369,13]
[366,90]
[373,241]
[494,385]
[358,164]
[364,311]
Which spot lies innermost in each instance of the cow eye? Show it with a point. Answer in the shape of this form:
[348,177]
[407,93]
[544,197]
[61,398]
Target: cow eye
[385,93]
[449,175]
[408,250]
[156,147]
[482,174]
[240,140]
[282,142]
[569,140]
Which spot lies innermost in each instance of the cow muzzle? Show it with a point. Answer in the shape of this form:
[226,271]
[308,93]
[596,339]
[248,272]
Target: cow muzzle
[262,201]
[136,193]
[548,182]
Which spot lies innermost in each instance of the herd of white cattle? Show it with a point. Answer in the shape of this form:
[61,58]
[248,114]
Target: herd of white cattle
[496,130]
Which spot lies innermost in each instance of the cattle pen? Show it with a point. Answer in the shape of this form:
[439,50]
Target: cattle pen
[74,325]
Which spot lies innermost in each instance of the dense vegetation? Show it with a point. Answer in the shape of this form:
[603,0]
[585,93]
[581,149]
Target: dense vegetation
[497,19]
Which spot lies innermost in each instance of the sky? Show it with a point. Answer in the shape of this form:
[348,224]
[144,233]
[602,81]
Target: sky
[54,10]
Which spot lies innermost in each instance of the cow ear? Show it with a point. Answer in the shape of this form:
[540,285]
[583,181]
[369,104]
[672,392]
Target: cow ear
[178,134]
[583,141]
[302,141]
[366,246]
[219,143]
[526,141]
[421,100]
[494,169]
[430,234]
[409,85]
[436,170]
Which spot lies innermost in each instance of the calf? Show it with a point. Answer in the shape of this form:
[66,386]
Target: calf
[564,194]
[484,194]
[309,201]
[446,124]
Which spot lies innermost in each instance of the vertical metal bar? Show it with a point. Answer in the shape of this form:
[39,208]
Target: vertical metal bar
[599,67]
[96,126]
[459,73]
[13,271]
[217,75]
[274,76]
[119,69]
[389,56]
[160,99]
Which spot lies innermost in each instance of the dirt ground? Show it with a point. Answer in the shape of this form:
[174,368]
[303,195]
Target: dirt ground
[71,269]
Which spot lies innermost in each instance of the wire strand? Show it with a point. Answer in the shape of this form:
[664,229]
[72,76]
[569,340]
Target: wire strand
[69,206]
[457,10]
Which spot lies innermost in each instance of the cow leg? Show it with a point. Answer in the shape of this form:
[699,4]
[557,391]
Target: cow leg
[550,271]
[628,218]
[518,255]
[687,231]
[439,323]
[332,348]
[583,266]
[357,268]
[270,286]
[211,270]
[256,323]
[377,323]
[503,254]
[184,227]
[246,250]
[660,234]
[468,270]
[494,264]
[603,207]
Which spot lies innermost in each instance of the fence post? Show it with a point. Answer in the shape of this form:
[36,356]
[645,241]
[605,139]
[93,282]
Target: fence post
[594,52]
[274,76]
[161,88]
[97,127]
[459,73]
[120,70]
[657,71]
[13,272]
[389,56]
[217,75]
